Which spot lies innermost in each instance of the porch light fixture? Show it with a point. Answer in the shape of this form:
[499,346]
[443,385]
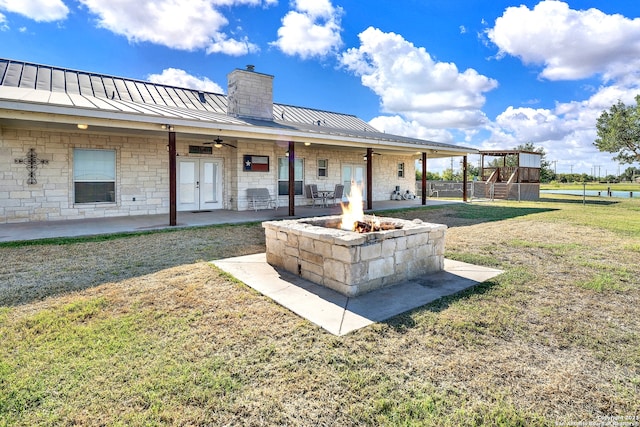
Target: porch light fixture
[83,126]
[167,127]
[307,144]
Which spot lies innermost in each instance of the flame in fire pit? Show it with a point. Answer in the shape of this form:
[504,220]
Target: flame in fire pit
[353,218]
[353,212]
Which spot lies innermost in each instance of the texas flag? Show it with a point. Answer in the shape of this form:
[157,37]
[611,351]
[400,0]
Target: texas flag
[256,163]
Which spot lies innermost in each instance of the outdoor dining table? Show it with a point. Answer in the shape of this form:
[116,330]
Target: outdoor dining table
[324,195]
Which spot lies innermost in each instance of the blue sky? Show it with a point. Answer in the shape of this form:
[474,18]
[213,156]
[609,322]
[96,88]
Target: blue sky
[486,74]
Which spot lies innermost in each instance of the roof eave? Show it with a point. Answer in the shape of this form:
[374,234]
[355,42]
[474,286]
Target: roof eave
[38,112]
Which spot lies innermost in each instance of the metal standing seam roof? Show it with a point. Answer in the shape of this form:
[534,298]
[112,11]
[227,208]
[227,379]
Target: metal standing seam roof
[64,87]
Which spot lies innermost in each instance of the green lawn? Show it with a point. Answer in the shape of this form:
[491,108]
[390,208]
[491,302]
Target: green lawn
[141,330]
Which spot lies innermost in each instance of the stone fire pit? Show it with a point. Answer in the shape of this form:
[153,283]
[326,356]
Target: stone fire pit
[355,263]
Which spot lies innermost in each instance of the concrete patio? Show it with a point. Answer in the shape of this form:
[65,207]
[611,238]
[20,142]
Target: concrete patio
[339,314]
[135,223]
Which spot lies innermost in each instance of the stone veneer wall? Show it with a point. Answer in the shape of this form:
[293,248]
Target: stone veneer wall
[142,173]
[384,169]
[352,263]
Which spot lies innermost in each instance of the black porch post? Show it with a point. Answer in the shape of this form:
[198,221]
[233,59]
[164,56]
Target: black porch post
[464,178]
[369,178]
[424,178]
[292,181]
[172,179]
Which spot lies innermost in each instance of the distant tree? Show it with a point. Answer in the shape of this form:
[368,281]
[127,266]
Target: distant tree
[472,171]
[619,131]
[431,176]
[630,174]
[448,175]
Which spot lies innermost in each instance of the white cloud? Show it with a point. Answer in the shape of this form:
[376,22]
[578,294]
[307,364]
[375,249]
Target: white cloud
[222,44]
[311,30]
[569,44]
[38,10]
[410,83]
[397,125]
[184,25]
[3,23]
[180,78]
[566,132]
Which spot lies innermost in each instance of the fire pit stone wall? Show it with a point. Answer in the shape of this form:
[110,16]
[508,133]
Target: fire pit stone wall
[353,263]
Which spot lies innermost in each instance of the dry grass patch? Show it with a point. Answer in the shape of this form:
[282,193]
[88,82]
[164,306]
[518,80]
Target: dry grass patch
[143,331]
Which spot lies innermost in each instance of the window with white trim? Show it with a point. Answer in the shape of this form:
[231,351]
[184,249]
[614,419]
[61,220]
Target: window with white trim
[323,168]
[400,170]
[94,176]
[283,176]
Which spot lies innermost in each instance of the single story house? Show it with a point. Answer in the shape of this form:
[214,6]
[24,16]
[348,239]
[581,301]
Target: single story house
[77,144]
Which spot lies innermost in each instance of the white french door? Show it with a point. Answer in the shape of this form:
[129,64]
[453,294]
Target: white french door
[357,174]
[199,184]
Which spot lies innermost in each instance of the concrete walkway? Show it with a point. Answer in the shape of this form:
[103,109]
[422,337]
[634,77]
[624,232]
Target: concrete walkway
[109,225]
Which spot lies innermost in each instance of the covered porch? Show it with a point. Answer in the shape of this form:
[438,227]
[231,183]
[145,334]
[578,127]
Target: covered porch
[140,223]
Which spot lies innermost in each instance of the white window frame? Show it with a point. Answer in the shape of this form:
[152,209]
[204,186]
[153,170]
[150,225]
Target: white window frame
[324,168]
[101,173]
[401,170]
[283,176]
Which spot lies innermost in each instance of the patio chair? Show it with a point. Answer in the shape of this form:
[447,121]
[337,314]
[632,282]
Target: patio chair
[312,193]
[337,194]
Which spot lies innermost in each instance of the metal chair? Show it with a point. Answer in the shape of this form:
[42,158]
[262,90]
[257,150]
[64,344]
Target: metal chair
[312,193]
[337,194]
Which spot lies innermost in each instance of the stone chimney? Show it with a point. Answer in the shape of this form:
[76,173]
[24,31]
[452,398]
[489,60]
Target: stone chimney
[250,94]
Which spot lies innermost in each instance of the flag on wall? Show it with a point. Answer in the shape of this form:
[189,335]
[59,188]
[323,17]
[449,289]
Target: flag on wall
[256,163]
